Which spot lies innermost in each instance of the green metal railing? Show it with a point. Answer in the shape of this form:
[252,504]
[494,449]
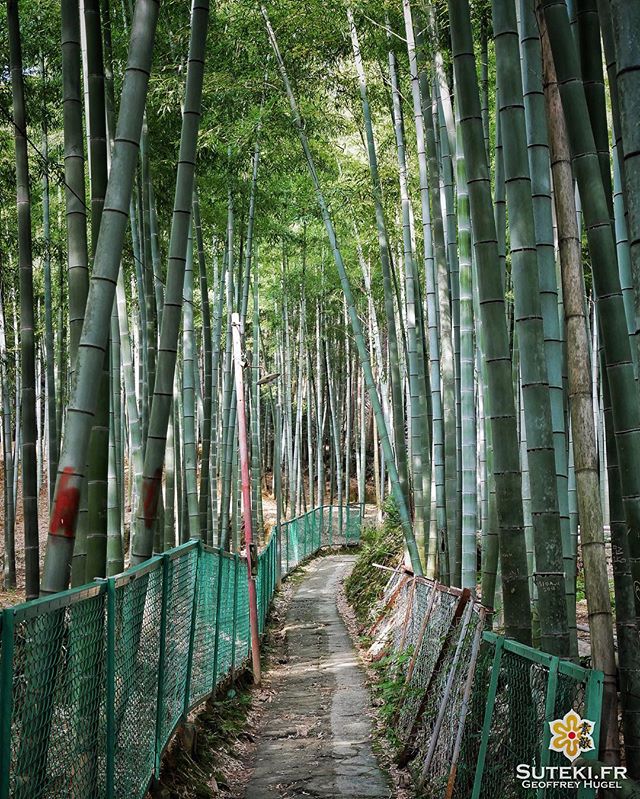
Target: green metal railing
[526,690]
[475,705]
[94,681]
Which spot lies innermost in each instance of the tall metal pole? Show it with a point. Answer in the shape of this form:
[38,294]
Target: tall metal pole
[277,490]
[246,498]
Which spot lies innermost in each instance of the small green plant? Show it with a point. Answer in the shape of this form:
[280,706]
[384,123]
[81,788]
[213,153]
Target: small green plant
[379,545]
[390,690]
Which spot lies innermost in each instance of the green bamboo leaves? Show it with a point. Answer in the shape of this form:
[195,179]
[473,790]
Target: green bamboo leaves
[353,316]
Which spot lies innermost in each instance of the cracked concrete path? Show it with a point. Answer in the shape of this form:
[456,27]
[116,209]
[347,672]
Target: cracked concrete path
[315,734]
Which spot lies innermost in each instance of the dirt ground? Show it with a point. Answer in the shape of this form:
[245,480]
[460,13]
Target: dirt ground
[13,596]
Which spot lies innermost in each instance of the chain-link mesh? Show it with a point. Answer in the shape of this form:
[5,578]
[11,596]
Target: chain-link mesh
[439,725]
[94,681]
[327,526]
[181,577]
[471,737]
[204,639]
[224,655]
[242,615]
[57,685]
[517,723]
[138,616]
[464,722]
[434,623]
[526,700]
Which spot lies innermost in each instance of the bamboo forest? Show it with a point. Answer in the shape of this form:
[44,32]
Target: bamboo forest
[319,399]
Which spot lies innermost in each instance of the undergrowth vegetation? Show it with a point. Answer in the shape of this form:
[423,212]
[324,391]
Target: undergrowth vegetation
[380,546]
[383,546]
[203,766]
[388,690]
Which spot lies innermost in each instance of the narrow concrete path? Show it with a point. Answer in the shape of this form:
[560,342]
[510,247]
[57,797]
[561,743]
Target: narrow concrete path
[315,735]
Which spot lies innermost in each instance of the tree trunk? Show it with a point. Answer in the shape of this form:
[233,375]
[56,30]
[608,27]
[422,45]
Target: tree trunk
[146,514]
[93,345]
[27,340]
[550,580]
[582,421]
[502,411]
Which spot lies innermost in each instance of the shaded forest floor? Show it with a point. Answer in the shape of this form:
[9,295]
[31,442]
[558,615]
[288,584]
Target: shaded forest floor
[16,595]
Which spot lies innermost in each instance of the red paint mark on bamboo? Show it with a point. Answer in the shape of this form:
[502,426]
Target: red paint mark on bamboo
[150,497]
[65,508]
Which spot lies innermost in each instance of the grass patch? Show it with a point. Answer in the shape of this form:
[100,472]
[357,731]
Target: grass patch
[383,545]
[389,690]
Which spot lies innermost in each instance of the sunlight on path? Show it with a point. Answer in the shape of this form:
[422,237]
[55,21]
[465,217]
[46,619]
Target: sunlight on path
[315,732]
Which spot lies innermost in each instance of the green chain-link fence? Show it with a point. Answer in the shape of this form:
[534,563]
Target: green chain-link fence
[473,704]
[94,681]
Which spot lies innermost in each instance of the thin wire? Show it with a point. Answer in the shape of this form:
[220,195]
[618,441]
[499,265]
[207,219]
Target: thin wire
[46,161]
[57,173]
[386,28]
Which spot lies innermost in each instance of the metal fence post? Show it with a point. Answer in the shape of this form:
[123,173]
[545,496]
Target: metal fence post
[161,656]
[275,565]
[277,490]
[110,700]
[330,526]
[6,699]
[261,590]
[549,714]
[234,623]
[271,570]
[286,533]
[216,640]
[192,633]
[593,706]
[306,547]
[488,713]
[593,711]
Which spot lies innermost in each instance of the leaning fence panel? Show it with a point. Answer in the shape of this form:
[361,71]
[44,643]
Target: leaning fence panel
[472,705]
[531,690]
